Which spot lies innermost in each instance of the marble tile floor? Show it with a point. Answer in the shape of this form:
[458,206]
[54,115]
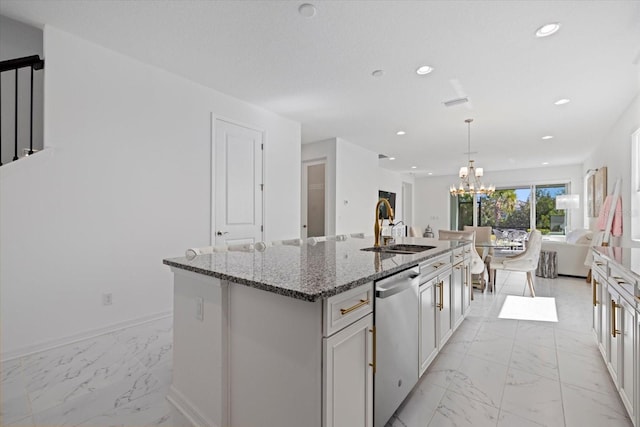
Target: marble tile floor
[117,379]
[502,373]
[494,372]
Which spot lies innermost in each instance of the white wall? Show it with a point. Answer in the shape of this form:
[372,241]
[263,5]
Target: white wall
[392,181]
[18,40]
[356,188]
[126,182]
[432,200]
[615,153]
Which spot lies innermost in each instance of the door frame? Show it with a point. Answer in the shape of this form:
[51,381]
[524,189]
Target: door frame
[212,169]
[304,194]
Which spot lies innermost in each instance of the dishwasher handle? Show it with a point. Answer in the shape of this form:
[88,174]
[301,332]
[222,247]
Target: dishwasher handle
[396,286]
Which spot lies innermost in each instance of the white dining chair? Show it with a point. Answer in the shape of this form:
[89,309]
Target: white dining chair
[477,266]
[482,241]
[526,261]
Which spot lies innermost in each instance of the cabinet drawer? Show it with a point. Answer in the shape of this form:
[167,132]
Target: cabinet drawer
[343,309]
[434,266]
[624,281]
[599,263]
[458,254]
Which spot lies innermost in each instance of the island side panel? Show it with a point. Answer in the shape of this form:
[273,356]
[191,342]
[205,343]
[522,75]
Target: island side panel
[275,359]
[199,386]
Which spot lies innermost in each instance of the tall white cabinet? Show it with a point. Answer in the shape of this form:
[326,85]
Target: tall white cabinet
[616,308]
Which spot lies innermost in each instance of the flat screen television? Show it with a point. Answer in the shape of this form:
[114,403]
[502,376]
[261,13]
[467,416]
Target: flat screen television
[391,197]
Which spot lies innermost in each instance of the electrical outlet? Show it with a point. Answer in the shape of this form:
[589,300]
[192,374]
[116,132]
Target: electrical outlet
[200,308]
[107,299]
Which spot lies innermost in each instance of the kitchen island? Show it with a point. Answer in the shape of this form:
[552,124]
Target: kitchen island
[285,337]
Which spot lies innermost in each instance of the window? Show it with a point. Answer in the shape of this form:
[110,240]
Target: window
[517,208]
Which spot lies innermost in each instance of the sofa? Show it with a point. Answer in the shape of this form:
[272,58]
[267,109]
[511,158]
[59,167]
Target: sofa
[571,253]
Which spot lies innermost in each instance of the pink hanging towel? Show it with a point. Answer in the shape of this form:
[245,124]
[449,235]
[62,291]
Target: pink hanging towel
[616,226]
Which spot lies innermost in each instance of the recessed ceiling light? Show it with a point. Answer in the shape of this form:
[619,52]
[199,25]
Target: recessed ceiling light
[547,137]
[547,29]
[377,73]
[307,10]
[401,132]
[414,167]
[425,69]
[392,158]
[430,173]
[562,101]
[545,163]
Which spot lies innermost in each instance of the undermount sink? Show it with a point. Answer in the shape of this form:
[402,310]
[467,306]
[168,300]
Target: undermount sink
[400,249]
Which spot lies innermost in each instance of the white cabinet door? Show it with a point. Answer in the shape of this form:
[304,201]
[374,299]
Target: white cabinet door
[628,363]
[614,336]
[596,290]
[457,302]
[637,365]
[444,308]
[605,313]
[348,376]
[466,286]
[428,340]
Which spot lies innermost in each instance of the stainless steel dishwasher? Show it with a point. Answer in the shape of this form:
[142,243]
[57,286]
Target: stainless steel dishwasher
[396,320]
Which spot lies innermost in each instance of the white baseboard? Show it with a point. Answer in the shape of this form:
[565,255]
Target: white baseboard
[185,407]
[59,342]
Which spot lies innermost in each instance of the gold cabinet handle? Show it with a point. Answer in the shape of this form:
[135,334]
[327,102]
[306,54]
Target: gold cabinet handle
[438,265]
[373,362]
[598,263]
[614,331]
[362,303]
[441,303]
[619,280]
[595,301]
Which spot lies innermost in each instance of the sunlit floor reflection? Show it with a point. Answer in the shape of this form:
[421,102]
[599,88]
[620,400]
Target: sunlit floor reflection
[526,308]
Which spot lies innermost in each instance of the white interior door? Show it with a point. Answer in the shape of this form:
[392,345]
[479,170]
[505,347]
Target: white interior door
[313,201]
[238,184]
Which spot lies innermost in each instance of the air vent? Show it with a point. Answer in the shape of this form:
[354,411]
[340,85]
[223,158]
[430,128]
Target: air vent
[456,101]
[382,156]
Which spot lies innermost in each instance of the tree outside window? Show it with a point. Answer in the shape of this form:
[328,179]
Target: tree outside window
[510,208]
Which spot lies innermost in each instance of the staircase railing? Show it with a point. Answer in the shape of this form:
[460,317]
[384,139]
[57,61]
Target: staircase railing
[35,63]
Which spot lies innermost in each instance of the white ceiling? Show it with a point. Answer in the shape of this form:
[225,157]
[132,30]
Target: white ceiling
[317,70]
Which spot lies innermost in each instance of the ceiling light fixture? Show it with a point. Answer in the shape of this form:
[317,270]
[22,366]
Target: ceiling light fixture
[307,10]
[429,173]
[545,163]
[547,29]
[413,167]
[425,69]
[470,175]
[392,158]
[401,132]
[562,101]
[547,137]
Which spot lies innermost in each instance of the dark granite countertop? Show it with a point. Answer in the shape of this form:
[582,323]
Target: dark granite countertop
[310,272]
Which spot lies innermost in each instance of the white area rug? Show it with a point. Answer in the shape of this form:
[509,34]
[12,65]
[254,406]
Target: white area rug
[526,308]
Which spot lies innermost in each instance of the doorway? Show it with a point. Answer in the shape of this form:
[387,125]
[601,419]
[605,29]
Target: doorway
[314,199]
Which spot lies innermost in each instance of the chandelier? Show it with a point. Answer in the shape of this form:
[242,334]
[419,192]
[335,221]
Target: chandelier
[470,175]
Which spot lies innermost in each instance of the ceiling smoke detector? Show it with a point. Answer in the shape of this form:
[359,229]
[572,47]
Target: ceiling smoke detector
[456,101]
